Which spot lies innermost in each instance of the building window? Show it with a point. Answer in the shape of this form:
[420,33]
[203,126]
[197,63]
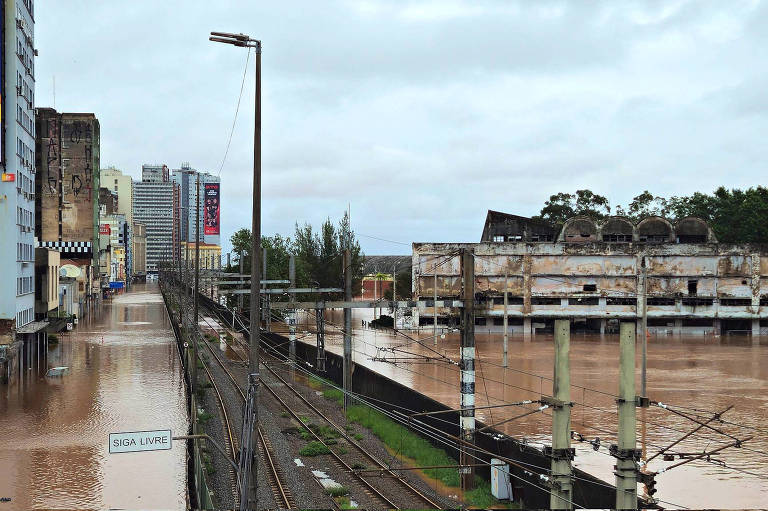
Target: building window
[498,238]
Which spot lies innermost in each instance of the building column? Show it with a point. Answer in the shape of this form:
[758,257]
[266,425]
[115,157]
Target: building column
[755,329]
[717,327]
[527,328]
[678,326]
[602,326]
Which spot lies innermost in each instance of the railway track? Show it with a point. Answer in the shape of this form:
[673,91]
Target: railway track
[280,490]
[230,436]
[365,484]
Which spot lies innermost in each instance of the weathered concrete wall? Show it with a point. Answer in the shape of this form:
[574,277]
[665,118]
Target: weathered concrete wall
[701,280]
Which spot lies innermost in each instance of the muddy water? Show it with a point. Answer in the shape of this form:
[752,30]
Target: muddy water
[708,373]
[124,375]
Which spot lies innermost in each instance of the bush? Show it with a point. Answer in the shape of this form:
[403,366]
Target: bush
[336,491]
[314,449]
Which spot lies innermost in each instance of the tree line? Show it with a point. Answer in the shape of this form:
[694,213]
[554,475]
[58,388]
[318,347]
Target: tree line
[735,216]
[318,254]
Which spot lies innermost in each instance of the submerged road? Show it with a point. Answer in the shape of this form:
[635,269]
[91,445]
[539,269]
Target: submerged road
[125,375]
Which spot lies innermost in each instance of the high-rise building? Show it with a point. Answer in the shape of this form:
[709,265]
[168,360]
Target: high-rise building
[139,251]
[67,190]
[186,178]
[122,186]
[156,205]
[17,186]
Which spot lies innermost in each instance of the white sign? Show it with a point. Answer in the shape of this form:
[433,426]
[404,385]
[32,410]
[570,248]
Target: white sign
[134,441]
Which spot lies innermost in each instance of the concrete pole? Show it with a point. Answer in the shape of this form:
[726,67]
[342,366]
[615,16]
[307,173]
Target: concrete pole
[195,321]
[626,469]
[467,366]
[394,297]
[644,328]
[265,308]
[562,495]
[292,314]
[241,297]
[347,362]
[434,297]
[506,304]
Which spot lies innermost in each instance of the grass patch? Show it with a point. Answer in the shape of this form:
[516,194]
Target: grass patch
[203,417]
[394,436]
[210,338]
[314,449]
[337,491]
[284,414]
[341,450]
[334,395]
[344,502]
[409,444]
[358,436]
[305,435]
[324,432]
[359,466]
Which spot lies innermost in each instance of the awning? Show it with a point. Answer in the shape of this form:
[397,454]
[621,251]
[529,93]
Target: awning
[33,327]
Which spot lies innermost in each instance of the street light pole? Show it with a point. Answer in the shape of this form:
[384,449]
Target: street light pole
[245,41]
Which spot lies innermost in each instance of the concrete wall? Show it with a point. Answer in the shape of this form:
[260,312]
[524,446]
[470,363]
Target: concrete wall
[686,282]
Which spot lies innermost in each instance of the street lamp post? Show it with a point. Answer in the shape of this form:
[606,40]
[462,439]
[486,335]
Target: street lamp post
[249,497]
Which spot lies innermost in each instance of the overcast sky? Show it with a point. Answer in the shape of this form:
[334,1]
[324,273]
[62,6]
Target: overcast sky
[421,115]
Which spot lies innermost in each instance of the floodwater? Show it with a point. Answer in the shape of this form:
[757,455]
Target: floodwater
[705,373]
[125,375]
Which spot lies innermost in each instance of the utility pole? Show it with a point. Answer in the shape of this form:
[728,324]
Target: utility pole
[434,297]
[467,366]
[644,328]
[195,321]
[561,496]
[626,452]
[250,497]
[347,383]
[265,307]
[506,303]
[292,313]
[394,297]
[240,297]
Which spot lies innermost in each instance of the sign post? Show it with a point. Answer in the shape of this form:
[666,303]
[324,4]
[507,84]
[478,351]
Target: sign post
[136,441]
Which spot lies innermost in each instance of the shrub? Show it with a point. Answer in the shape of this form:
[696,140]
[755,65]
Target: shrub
[336,491]
[314,449]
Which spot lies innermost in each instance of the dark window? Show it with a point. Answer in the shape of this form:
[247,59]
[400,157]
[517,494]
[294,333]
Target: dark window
[511,300]
[590,288]
[764,300]
[698,302]
[621,301]
[653,238]
[661,301]
[480,321]
[592,300]
[545,300]
[692,285]
[499,321]
[735,302]
[617,238]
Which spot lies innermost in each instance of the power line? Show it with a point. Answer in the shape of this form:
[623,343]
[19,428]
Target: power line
[237,109]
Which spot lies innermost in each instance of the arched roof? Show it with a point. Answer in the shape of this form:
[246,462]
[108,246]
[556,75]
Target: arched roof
[579,229]
[655,229]
[693,229]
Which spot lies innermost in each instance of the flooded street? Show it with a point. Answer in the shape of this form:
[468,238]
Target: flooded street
[707,373]
[124,375]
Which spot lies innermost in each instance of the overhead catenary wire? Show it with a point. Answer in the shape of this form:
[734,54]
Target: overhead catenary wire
[237,109]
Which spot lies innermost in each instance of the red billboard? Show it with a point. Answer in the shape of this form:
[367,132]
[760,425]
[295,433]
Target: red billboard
[212,207]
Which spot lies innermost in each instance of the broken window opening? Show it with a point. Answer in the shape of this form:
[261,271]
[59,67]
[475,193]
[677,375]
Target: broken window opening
[590,288]
[692,285]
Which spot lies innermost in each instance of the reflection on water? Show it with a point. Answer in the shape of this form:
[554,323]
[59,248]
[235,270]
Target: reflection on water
[124,376]
[708,373]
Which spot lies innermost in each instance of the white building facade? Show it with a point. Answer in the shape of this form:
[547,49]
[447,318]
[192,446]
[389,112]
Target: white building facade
[17,188]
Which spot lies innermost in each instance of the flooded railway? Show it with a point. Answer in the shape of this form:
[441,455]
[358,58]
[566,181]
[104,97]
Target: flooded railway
[124,375]
[701,372]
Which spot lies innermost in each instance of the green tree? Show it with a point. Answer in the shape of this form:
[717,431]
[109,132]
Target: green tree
[562,206]
[646,204]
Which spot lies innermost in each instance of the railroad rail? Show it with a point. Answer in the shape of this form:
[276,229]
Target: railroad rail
[367,485]
[227,428]
[280,491]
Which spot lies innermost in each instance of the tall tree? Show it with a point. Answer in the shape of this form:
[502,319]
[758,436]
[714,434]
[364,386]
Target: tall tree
[562,206]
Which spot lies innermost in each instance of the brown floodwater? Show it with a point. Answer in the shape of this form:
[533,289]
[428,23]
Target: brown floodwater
[124,375]
[707,373]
